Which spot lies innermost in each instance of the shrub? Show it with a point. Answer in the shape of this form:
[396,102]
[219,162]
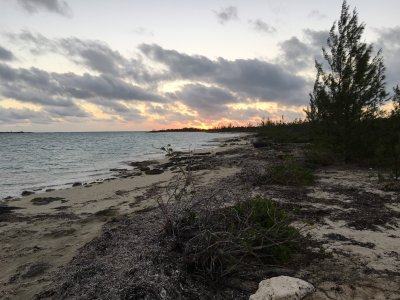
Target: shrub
[289,172]
[251,233]
[319,156]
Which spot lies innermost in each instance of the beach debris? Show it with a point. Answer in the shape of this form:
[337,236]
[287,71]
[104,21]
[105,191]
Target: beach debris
[5,209]
[29,271]
[27,193]
[282,288]
[61,232]
[144,169]
[45,200]
[260,142]
[121,192]
[140,164]
[108,212]
[76,184]
[118,170]
[154,172]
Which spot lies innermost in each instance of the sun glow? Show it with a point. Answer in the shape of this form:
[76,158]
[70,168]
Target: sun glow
[10,103]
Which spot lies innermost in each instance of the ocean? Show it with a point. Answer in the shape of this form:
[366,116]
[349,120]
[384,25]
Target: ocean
[39,161]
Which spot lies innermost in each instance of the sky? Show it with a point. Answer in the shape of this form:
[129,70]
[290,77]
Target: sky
[102,65]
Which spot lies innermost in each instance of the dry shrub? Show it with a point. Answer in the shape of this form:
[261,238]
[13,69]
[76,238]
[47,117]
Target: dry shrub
[219,243]
[218,235]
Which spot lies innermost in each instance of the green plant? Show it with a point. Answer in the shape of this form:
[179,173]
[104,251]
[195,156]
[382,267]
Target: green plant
[289,172]
[320,156]
[251,233]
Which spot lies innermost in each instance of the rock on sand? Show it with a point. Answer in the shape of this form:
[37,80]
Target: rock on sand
[282,288]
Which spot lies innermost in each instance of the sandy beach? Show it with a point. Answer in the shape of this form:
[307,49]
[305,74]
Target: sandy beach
[41,236]
[44,238]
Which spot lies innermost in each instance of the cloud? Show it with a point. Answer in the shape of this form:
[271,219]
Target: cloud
[92,54]
[316,14]
[299,55]
[316,38]
[96,55]
[57,93]
[17,116]
[36,43]
[54,6]
[119,82]
[6,55]
[227,14]
[250,78]
[261,26]
[87,86]
[389,42]
[296,55]
[205,100]
[143,31]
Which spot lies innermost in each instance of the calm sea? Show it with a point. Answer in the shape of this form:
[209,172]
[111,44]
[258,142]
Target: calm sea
[38,161]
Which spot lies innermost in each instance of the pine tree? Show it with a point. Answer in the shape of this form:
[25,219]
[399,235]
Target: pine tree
[396,102]
[352,89]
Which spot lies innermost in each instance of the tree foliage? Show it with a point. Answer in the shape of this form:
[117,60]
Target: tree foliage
[396,102]
[352,88]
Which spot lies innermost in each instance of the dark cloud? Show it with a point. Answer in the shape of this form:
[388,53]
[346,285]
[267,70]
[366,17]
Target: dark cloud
[6,55]
[205,100]
[54,6]
[250,78]
[92,54]
[227,14]
[118,109]
[56,92]
[89,86]
[63,112]
[14,116]
[261,26]
[96,55]
[389,42]
[167,114]
[316,38]
[179,63]
[296,55]
[37,85]
[36,43]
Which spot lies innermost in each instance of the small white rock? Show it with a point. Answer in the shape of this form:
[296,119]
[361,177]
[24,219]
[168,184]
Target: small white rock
[282,288]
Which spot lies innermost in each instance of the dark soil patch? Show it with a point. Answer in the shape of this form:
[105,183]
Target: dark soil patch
[365,211]
[27,193]
[339,237]
[108,212]
[46,200]
[5,209]
[29,271]
[61,232]
[154,172]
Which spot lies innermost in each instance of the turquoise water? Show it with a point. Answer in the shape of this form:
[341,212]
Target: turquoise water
[37,161]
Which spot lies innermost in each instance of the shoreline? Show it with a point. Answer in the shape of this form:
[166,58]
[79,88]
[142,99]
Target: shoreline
[114,171]
[42,232]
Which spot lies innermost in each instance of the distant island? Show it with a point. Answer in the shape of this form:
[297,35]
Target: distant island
[224,128]
[4,132]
